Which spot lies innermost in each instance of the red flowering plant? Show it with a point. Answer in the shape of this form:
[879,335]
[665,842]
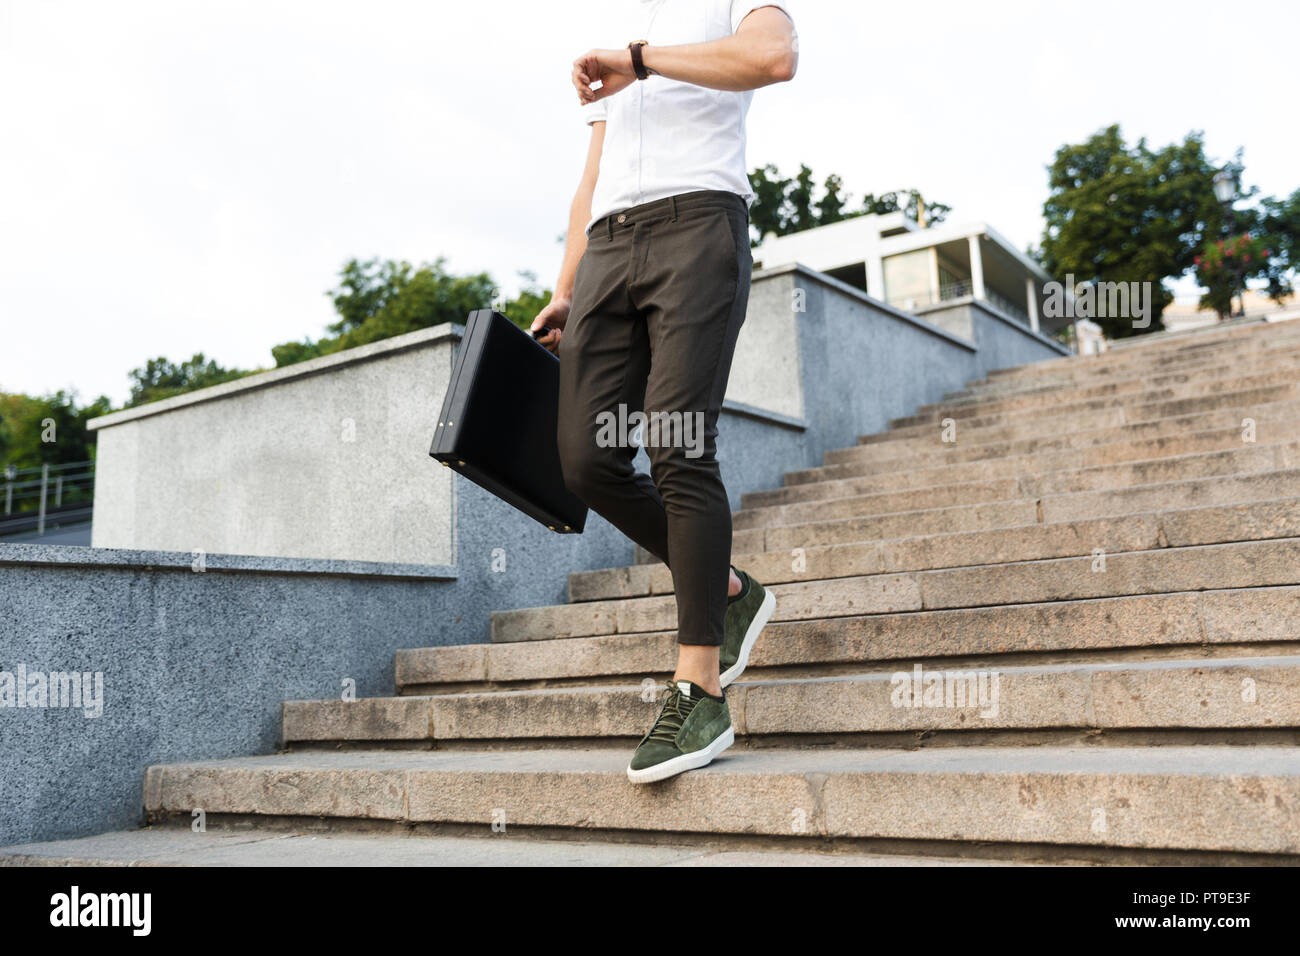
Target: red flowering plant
[1224,265]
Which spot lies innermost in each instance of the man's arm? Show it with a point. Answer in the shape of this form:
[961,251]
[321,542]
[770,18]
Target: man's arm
[556,312]
[762,51]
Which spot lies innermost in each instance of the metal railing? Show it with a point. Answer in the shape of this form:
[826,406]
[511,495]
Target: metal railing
[949,289]
[954,288]
[64,491]
[1007,306]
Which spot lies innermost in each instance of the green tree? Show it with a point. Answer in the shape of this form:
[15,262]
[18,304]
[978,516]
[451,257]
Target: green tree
[799,198]
[1280,222]
[1128,214]
[783,205]
[831,206]
[379,299]
[1224,266]
[50,430]
[768,211]
[532,298]
[1137,214]
[160,378]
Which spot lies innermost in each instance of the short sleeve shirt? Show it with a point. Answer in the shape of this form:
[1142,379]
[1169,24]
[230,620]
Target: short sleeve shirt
[664,137]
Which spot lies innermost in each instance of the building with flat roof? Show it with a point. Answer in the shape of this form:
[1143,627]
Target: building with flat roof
[930,272]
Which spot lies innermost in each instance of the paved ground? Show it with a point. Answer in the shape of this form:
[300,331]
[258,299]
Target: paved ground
[178,847]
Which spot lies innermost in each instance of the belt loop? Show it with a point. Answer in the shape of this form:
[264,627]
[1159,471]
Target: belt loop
[609,221]
[673,200]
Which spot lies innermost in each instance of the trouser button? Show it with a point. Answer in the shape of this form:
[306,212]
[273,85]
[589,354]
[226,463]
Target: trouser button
[622,218]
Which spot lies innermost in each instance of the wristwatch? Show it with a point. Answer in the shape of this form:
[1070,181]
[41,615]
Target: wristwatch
[638,67]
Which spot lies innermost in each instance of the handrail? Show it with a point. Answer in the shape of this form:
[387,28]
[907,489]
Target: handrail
[34,494]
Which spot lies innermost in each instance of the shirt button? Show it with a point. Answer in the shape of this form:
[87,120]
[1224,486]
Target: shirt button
[622,218]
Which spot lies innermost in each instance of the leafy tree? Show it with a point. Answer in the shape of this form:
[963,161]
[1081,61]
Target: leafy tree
[830,208]
[379,299]
[1280,221]
[799,198]
[1224,265]
[1136,214]
[46,430]
[522,309]
[783,205]
[1122,214]
[160,378]
[768,211]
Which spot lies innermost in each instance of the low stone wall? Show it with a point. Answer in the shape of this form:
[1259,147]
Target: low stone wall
[326,459]
[185,664]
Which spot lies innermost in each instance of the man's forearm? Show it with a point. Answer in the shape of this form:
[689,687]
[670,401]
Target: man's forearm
[737,63]
[575,243]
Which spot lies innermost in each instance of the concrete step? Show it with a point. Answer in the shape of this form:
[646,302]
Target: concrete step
[1212,621]
[1201,567]
[1029,477]
[1155,356]
[1142,392]
[1076,503]
[1102,428]
[1237,693]
[1214,369]
[1084,388]
[1076,506]
[1087,415]
[398,846]
[1217,524]
[999,459]
[1083,374]
[1210,798]
[1243,328]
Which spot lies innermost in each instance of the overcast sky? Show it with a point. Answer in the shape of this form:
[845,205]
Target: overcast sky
[179,176]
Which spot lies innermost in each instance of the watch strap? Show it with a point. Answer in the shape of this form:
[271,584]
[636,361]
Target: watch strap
[638,66]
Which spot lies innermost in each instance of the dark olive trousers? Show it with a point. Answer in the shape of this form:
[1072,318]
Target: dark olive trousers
[658,302]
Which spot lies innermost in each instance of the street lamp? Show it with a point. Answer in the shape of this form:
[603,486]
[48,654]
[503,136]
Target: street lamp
[1225,187]
[1225,190]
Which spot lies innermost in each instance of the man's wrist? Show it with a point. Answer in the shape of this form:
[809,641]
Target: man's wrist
[634,50]
[636,61]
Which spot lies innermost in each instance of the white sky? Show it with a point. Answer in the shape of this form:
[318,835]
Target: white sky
[183,176]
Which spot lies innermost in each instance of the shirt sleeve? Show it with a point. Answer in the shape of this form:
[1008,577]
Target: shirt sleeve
[593,112]
[743,8]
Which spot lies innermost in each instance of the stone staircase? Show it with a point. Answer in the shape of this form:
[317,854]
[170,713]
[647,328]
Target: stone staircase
[1107,547]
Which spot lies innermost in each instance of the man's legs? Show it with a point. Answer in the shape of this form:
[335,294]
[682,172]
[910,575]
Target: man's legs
[658,304]
[604,361]
[693,282]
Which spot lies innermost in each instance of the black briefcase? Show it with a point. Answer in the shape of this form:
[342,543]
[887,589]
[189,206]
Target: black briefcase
[497,426]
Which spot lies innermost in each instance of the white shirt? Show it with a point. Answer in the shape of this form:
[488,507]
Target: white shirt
[664,137]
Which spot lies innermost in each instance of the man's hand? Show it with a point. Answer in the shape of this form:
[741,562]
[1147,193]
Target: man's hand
[613,68]
[553,317]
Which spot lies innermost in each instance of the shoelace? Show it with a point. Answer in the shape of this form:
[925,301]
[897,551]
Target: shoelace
[673,714]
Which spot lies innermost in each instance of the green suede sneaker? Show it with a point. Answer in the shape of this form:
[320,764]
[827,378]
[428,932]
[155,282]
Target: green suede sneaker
[747,613]
[692,728]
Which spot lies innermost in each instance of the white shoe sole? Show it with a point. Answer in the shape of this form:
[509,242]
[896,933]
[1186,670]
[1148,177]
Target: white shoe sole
[691,761]
[751,636]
